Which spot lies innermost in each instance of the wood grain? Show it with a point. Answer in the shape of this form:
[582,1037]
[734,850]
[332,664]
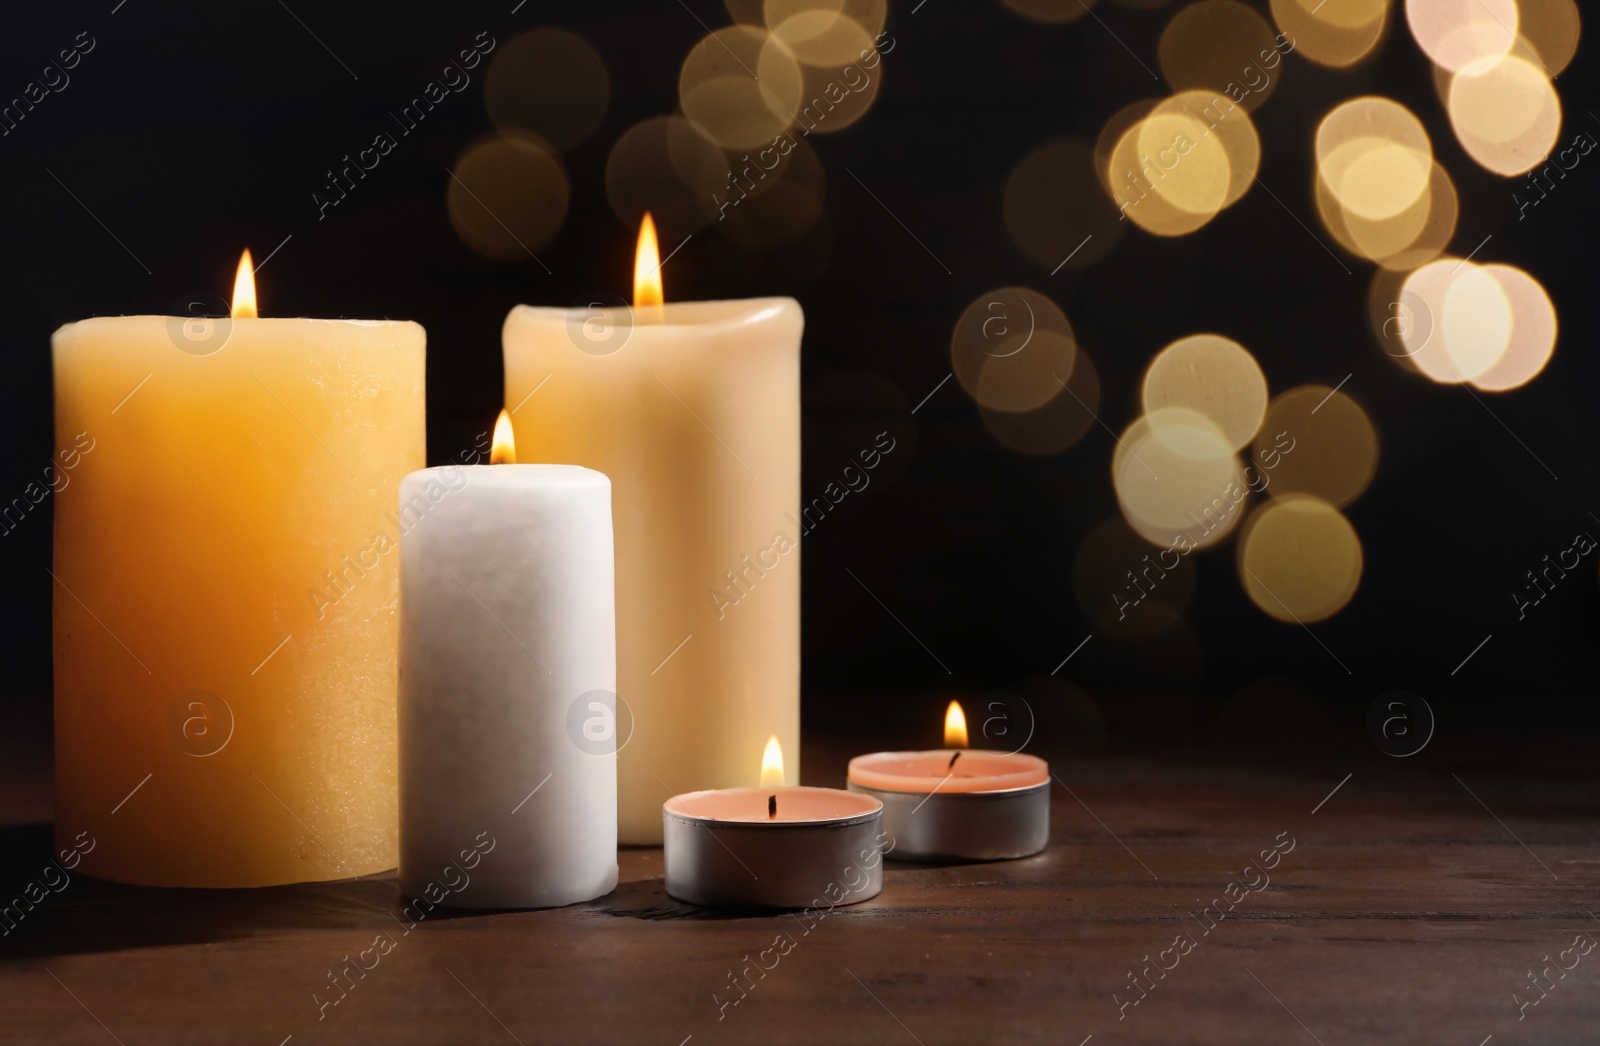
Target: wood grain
[1405,912]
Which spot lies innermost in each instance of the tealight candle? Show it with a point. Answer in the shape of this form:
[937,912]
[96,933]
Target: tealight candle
[508,767]
[772,846]
[960,803]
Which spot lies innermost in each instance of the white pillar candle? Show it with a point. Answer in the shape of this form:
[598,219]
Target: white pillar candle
[508,781]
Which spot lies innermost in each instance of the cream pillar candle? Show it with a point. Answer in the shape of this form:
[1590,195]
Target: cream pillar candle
[507,687]
[225,600]
[696,418]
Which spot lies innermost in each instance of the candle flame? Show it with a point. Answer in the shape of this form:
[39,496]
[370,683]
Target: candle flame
[772,764]
[504,449]
[955,726]
[647,267]
[244,289]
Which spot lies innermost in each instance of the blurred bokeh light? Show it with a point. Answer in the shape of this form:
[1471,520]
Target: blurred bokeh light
[1456,33]
[1405,240]
[1013,349]
[773,209]
[1054,209]
[1179,161]
[666,166]
[1059,423]
[1335,33]
[1224,49]
[1550,31]
[1299,559]
[550,82]
[1505,113]
[508,196]
[869,14]
[741,87]
[1324,442]
[1374,156]
[1213,455]
[1533,331]
[1213,375]
[1177,479]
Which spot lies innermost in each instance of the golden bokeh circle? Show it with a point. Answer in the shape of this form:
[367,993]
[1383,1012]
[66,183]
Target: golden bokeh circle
[1374,156]
[1059,423]
[1475,322]
[869,14]
[1533,331]
[1231,126]
[1031,377]
[1013,349]
[550,82]
[508,196]
[1368,238]
[1456,33]
[822,37]
[1505,113]
[1421,300]
[834,96]
[1550,30]
[1404,241]
[1438,227]
[1299,559]
[1200,175]
[773,208]
[1168,174]
[1177,479]
[1318,441]
[1054,209]
[739,91]
[666,166]
[1347,14]
[1337,34]
[1213,375]
[1214,46]
[1105,145]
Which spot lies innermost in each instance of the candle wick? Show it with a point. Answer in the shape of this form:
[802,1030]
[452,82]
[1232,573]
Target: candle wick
[953,759]
[772,807]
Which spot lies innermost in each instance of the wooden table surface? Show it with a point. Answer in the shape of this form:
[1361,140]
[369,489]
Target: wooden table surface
[1414,903]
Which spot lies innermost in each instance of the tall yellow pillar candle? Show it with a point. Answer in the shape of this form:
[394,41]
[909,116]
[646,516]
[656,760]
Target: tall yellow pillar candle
[226,580]
[693,410]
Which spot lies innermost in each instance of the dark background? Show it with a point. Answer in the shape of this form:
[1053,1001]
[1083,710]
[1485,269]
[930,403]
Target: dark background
[194,129]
